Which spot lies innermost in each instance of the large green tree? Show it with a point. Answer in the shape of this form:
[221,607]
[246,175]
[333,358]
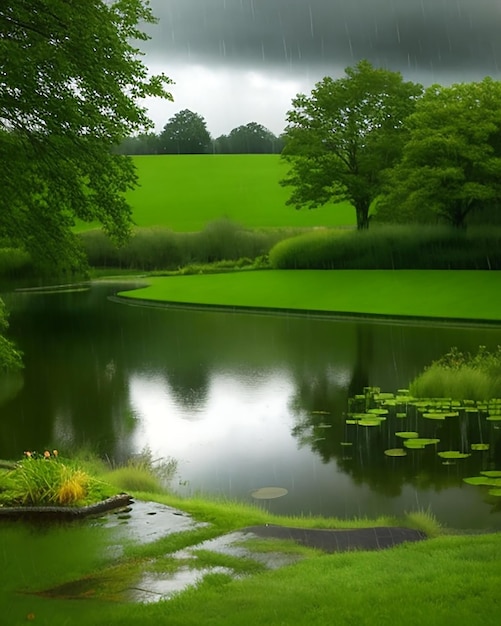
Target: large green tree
[185,133]
[451,163]
[340,138]
[71,81]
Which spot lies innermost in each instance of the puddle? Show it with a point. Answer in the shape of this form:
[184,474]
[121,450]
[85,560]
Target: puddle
[231,545]
[144,522]
[153,588]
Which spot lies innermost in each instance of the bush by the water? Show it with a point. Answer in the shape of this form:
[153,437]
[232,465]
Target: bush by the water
[160,248]
[461,375]
[391,247]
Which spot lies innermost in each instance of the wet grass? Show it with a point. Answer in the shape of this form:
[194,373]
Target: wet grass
[455,294]
[185,192]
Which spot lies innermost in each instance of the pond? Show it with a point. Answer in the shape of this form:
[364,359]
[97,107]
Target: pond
[241,402]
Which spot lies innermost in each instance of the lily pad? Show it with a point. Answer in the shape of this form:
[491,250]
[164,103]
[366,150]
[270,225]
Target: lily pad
[480,480]
[378,411]
[479,446]
[401,415]
[407,435]
[346,443]
[492,473]
[269,493]
[349,422]
[453,454]
[367,422]
[411,443]
[434,416]
[495,492]
[395,452]
[493,418]
[419,442]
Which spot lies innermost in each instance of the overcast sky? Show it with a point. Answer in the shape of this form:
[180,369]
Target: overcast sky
[240,61]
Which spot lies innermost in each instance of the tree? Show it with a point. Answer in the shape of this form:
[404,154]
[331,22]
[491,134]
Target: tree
[252,138]
[69,86]
[70,82]
[185,133]
[340,139]
[451,163]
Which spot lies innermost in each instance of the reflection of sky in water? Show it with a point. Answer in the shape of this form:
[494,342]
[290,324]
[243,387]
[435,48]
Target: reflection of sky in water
[239,438]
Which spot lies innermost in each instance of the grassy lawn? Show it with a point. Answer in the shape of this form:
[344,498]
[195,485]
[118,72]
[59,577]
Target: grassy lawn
[439,293]
[443,580]
[185,192]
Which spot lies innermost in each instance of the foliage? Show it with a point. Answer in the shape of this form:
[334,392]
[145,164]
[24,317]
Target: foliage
[252,138]
[451,163]
[185,133]
[340,139]
[391,247]
[45,479]
[161,249]
[71,80]
[461,375]
[10,356]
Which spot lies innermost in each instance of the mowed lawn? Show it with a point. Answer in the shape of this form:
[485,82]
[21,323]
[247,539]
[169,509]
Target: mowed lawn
[456,294]
[185,192]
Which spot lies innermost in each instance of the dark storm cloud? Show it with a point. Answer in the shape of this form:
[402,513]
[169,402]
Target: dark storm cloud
[417,35]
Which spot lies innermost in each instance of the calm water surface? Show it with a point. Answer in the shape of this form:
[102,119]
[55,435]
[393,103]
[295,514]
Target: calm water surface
[241,401]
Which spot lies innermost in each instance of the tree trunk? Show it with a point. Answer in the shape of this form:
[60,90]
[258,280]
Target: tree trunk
[362,210]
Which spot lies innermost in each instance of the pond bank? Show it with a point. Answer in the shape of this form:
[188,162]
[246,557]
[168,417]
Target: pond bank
[461,296]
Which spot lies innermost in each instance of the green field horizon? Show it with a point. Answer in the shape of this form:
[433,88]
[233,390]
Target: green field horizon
[185,192]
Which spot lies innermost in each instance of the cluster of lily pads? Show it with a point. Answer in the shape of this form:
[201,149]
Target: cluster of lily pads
[372,408]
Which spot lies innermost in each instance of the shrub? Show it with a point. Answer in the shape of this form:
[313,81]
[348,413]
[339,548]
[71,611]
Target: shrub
[461,376]
[152,249]
[391,247]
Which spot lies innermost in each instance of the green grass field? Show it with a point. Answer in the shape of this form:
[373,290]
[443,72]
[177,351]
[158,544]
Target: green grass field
[459,294]
[185,192]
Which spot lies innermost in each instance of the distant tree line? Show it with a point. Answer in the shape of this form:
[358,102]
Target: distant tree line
[186,133]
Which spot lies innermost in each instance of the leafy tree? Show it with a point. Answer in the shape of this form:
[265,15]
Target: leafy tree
[70,81]
[451,164]
[252,138]
[185,133]
[340,139]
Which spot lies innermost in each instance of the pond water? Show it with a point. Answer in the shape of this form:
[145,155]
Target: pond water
[241,402]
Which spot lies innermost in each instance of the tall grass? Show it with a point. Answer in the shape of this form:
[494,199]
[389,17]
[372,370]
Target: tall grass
[461,376]
[160,248]
[391,247]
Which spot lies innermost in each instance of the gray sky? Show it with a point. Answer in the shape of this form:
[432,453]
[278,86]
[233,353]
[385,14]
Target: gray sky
[240,61]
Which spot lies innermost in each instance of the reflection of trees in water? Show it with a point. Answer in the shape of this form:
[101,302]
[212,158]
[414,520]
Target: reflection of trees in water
[190,386]
[321,408]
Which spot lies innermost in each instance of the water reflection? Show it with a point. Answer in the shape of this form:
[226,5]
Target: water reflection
[240,401]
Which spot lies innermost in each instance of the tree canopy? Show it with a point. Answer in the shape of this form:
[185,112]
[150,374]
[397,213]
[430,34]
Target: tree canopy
[251,138]
[340,138]
[185,133]
[451,163]
[70,83]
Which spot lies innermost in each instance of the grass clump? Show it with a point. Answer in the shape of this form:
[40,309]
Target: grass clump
[47,480]
[142,473]
[461,375]
[391,247]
